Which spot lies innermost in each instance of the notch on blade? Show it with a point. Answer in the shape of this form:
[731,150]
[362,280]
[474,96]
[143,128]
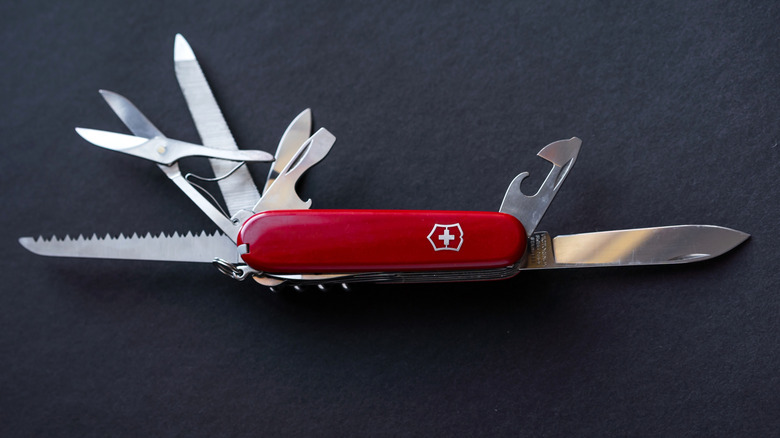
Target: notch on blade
[530,209]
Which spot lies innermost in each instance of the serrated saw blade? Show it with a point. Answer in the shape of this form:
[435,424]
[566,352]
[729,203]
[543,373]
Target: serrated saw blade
[201,248]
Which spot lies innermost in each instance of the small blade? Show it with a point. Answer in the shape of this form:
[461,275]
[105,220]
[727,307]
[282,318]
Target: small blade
[202,248]
[292,139]
[641,246]
[238,190]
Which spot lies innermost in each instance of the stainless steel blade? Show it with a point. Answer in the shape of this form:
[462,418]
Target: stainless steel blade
[130,115]
[641,246]
[164,150]
[201,248]
[292,140]
[238,189]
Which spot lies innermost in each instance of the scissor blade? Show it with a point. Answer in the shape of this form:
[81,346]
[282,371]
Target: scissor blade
[111,140]
[238,189]
[131,116]
[292,140]
[202,248]
[641,246]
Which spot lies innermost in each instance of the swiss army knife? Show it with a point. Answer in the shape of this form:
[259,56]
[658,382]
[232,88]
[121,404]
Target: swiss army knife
[272,236]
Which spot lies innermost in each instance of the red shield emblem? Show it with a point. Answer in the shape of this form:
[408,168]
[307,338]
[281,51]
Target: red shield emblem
[446,237]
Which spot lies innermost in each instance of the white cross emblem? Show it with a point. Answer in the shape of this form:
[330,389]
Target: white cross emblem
[446,237]
[442,238]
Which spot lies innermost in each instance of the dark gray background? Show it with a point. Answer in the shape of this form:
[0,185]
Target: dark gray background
[435,106]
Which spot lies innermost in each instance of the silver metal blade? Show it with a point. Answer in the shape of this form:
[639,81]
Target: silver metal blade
[131,116]
[202,248]
[292,140]
[110,140]
[641,246]
[238,190]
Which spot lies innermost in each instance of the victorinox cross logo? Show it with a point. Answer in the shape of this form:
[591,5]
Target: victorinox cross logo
[446,237]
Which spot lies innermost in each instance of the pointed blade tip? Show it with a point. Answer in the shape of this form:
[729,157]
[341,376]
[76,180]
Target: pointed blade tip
[728,235]
[739,238]
[305,117]
[84,133]
[727,239]
[108,94]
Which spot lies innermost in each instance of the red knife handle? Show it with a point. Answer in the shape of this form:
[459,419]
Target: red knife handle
[325,241]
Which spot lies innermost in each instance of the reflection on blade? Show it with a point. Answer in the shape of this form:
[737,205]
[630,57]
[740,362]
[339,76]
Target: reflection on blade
[642,246]
[176,248]
[130,115]
[110,140]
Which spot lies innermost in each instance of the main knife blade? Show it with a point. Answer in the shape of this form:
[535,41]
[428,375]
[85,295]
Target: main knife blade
[238,189]
[201,248]
[641,246]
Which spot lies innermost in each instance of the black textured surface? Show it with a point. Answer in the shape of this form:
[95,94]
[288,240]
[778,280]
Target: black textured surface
[434,107]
